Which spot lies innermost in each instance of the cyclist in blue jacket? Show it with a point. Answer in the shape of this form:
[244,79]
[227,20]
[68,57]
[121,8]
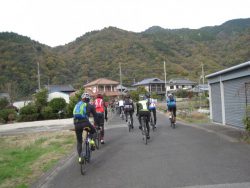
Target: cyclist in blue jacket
[171,105]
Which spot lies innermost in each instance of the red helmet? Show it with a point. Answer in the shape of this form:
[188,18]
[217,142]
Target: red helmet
[99,95]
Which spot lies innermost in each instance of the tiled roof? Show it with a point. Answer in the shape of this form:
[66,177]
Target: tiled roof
[101,81]
[62,88]
[149,81]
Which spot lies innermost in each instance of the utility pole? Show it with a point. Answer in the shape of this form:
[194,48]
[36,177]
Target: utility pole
[120,77]
[202,72]
[38,76]
[165,79]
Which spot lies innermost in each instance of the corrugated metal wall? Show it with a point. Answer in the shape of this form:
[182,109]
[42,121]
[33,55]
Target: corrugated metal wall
[235,101]
[216,102]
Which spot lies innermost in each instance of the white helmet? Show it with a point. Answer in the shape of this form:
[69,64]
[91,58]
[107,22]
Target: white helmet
[170,95]
[85,96]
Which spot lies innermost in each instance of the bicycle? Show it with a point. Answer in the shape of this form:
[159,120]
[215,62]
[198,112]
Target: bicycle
[85,154]
[172,119]
[152,121]
[129,123]
[144,129]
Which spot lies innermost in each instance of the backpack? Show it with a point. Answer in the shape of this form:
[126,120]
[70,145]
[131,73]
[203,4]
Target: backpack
[99,106]
[128,104]
[80,110]
[171,102]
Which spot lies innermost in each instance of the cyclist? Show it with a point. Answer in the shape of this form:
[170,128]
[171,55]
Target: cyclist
[171,105]
[81,113]
[152,108]
[121,106]
[129,108]
[143,110]
[101,110]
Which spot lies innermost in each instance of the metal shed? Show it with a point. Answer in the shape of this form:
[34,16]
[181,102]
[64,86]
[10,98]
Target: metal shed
[229,93]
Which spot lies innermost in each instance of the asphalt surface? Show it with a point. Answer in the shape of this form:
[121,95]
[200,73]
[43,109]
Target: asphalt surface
[190,156]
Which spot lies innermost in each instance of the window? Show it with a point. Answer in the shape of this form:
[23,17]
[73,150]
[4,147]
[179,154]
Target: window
[171,87]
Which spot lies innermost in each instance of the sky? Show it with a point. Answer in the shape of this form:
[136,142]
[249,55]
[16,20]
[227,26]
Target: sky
[58,22]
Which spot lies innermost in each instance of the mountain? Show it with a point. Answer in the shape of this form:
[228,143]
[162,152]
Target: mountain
[98,54]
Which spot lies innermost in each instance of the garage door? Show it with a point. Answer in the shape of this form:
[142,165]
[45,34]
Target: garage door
[235,101]
[216,102]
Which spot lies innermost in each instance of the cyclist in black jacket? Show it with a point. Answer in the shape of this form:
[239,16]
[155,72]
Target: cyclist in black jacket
[129,108]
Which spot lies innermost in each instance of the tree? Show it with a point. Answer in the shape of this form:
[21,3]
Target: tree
[4,103]
[40,98]
[72,102]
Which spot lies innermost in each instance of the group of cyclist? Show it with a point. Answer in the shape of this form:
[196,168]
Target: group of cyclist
[98,109]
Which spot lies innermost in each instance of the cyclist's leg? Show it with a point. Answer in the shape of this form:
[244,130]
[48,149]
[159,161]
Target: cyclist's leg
[126,115]
[78,131]
[92,130]
[154,113]
[139,119]
[102,127]
[174,112]
[147,121]
[131,117]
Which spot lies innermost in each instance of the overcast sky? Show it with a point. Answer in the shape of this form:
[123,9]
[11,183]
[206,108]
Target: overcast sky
[57,22]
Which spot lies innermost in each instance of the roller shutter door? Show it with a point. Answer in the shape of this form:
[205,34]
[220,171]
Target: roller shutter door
[216,102]
[235,101]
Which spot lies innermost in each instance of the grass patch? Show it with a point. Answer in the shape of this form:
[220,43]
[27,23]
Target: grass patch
[23,158]
[194,117]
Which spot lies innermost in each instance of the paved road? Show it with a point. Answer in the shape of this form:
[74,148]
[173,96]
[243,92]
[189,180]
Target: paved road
[183,157]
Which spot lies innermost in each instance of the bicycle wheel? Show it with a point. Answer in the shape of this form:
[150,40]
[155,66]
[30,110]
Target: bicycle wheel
[83,163]
[88,152]
[144,131]
[129,125]
[173,121]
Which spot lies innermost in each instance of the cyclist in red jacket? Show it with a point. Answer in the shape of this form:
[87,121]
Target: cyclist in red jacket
[101,110]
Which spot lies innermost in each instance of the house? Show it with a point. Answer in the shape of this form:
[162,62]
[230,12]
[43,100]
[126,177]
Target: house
[152,85]
[229,94]
[59,91]
[102,85]
[60,88]
[176,84]
[200,88]
[21,104]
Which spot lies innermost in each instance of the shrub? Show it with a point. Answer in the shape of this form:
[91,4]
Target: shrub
[246,119]
[47,113]
[7,115]
[28,113]
[57,104]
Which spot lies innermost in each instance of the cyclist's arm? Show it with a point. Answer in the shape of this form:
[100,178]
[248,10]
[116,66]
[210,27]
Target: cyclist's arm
[137,108]
[93,112]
